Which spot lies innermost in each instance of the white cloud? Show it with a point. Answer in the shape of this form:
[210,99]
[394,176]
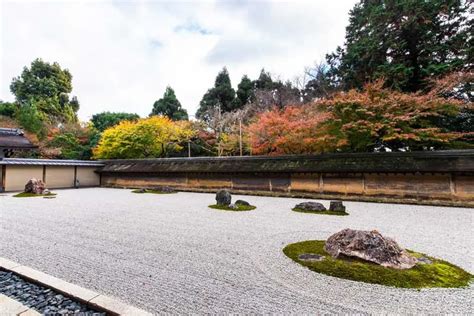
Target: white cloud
[123,54]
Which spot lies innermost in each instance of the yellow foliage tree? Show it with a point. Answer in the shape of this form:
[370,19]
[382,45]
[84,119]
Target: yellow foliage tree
[156,136]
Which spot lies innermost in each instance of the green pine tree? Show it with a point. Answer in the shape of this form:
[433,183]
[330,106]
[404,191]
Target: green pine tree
[245,93]
[169,106]
[406,42]
[221,95]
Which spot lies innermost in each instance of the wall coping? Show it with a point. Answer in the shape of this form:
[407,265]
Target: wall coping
[50,162]
[405,162]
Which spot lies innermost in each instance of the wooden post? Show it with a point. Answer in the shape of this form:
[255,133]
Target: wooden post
[75,177]
[3,179]
[240,135]
[44,173]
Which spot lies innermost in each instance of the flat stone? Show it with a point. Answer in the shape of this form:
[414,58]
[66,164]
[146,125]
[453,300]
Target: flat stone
[117,307]
[424,260]
[9,306]
[55,283]
[310,257]
[7,264]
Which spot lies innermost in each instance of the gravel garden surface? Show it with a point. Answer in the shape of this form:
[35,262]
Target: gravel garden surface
[173,254]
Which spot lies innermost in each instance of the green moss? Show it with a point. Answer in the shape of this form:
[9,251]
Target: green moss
[240,207]
[300,210]
[437,274]
[25,194]
[151,191]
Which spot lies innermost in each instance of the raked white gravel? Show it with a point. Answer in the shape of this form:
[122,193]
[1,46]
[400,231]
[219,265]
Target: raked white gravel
[172,254]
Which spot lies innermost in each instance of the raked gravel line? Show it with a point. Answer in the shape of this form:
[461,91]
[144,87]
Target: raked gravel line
[172,254]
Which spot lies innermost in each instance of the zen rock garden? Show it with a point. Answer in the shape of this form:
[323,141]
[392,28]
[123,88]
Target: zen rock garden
[335,208]
[224,202]
[172,248]
[36,188]
[370,257]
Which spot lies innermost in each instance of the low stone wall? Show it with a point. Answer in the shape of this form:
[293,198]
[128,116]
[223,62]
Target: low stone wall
[436,178]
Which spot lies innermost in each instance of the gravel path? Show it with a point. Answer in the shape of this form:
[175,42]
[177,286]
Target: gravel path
[172,254]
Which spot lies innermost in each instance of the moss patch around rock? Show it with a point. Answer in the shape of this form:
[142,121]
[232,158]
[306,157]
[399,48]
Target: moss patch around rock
[327,212]
[239,208]
[437,274]
[25,194]
[139,191]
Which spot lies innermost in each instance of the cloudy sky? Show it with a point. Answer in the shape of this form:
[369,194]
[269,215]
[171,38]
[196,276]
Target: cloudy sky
[122,54]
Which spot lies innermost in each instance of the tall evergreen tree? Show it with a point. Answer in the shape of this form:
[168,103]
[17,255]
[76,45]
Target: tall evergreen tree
[245,93]
[264,81]
[221,95]
[405,41]
[169,106]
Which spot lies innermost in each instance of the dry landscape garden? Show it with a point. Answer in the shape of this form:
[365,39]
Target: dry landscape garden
[348,190]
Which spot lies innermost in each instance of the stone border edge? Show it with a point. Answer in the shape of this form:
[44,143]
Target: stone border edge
[92,299]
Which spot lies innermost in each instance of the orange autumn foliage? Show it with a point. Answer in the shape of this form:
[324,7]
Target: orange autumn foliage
[293,130]
[374,119]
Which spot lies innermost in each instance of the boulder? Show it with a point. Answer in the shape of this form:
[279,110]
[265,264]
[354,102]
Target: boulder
[163,189]
[337,206]
[311,206]
[223,197]
[35,186]
[370,246]
[142,190]
[242,202]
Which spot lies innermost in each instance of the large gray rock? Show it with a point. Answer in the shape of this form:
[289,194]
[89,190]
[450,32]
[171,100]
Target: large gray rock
[35,186]
[337,206]
[311,206]
[370,246]
[223,197]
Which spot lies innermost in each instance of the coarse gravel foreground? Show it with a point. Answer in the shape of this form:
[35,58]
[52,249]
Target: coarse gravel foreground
[173,254]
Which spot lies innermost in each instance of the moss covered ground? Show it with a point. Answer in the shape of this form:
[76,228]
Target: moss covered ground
[437,274]
[25,194]
[327,212]
[239,208]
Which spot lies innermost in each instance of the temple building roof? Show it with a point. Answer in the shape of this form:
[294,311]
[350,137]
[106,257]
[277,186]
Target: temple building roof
[13,139]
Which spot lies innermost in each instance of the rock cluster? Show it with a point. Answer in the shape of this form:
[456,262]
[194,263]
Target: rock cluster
[42,299]
[36,186]
[163,189]
[370,246]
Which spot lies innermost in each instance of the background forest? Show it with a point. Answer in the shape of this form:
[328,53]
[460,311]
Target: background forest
[401,81]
